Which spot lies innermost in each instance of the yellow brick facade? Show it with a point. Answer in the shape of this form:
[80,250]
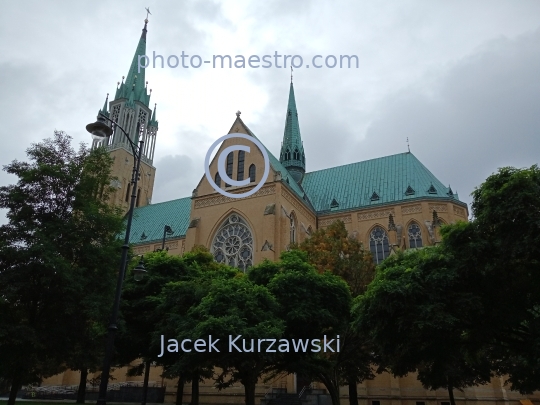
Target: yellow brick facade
[268,215]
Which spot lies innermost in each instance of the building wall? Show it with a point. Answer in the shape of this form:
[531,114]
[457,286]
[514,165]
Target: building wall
[123,170]
[268,214]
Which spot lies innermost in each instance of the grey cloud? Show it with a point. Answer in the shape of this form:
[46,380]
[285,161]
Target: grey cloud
[176,177]
[481,115]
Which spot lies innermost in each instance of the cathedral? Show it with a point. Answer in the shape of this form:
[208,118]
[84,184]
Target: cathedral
[389,203]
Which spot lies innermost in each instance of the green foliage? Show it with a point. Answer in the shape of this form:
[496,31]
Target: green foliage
[418,314]
[139,305]
[57,259]
[469,308]
[313,305]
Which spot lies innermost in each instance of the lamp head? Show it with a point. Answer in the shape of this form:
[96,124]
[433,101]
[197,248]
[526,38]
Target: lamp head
[139,271]
[99,129]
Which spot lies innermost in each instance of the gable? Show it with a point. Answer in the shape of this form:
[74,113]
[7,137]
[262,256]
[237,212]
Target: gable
[204,188]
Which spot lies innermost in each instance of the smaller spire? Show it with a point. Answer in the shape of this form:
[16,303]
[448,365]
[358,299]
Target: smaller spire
[153,121]
[105,104]
[105,109]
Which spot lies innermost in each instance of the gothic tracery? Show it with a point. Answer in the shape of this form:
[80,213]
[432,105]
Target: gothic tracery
[233,243]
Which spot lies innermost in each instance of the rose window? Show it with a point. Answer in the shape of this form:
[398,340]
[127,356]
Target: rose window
[233,243]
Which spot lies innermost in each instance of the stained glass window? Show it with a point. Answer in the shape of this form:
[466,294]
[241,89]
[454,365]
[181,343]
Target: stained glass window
[233,243]
[378,244]
[415,236]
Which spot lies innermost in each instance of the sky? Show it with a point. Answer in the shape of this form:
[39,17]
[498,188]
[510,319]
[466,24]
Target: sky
[459,79]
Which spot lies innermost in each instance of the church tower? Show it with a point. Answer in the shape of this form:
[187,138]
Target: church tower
[292,149]
[130,108]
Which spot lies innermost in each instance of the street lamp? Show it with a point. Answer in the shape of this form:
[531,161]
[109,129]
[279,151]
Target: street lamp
[139,271]
[167,230]
[100,131]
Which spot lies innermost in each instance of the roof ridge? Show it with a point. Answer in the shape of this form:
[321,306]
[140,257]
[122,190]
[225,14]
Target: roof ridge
[363,161]
[163,202]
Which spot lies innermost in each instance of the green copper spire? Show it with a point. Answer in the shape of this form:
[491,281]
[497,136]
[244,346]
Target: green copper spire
[292,150]
[135,80]
[153,121]
[105,109]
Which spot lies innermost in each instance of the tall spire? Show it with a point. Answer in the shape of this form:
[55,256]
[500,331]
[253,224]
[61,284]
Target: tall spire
[135,79]
[292,150]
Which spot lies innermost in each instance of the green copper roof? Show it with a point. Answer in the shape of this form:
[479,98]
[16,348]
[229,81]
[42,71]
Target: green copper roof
[148,222]
[134,88]
[390,179]
[292,151]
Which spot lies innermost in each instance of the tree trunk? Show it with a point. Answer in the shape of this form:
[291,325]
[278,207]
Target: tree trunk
[180,390]
[353,392]
[81,392]
[451,392]
[15,386]
[249,389]
[333,389]
[147,365]
[195,389]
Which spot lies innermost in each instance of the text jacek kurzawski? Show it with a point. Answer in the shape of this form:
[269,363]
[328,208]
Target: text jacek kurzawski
[239,345]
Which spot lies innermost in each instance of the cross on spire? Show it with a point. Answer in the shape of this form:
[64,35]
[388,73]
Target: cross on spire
[147,13]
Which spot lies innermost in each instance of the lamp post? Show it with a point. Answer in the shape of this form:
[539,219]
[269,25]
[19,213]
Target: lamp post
[167,230]
[100,130]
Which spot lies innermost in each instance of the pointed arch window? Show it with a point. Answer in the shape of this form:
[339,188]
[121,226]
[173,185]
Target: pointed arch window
[229,168]
[415,236]
[128,191]
[293,229]
[287,154]
[252,173]
[378,244]
[217,180]
[233,243]
[296,155]
[240,170]
[138,198]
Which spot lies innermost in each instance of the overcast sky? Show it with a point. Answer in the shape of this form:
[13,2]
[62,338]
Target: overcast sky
[460,79]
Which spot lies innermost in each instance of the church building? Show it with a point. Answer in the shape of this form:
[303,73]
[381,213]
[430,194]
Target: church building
[389,203]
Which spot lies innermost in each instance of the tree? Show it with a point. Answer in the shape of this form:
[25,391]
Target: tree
[332,249]
[313,305]
[498,253]
[418,314]
[175,301]
[232,308]
[139,311]
[57,258]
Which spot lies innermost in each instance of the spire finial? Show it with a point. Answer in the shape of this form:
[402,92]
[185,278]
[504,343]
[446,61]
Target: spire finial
[238,113]
[147,14]
[291,73]
[408,146]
